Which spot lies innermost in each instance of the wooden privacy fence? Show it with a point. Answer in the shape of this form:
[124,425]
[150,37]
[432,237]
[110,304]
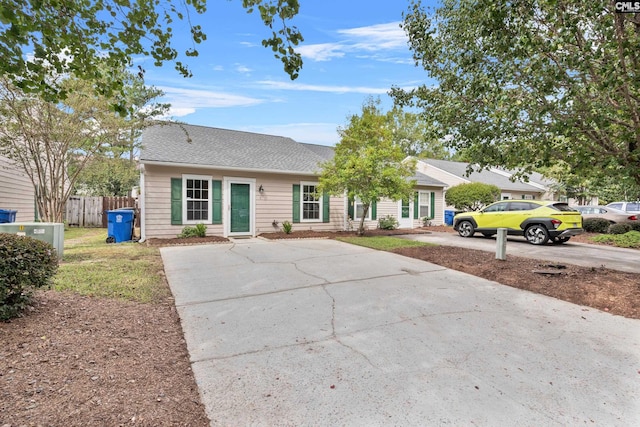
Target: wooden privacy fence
[84,211]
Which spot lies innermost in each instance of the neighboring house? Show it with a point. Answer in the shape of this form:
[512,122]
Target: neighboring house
[245,184]
[16,191]
[536,180]
[454,173]
[427,202]
[550,187]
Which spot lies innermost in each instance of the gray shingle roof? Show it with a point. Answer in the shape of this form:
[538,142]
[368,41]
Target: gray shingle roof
[205,146]
[486,176]
[323,151]
[422,179]
[534,177]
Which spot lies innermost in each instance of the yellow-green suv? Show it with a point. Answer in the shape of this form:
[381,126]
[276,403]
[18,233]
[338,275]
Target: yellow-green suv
[536,220]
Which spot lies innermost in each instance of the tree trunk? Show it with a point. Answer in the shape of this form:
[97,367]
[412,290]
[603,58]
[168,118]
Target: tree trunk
[365,211]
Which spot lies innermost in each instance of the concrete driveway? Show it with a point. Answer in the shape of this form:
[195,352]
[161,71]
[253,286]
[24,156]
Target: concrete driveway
[572,253]
[318,332]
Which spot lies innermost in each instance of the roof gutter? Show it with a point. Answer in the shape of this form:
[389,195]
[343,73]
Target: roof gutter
[227,168]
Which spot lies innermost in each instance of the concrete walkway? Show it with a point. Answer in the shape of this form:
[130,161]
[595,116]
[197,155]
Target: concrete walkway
[318,332]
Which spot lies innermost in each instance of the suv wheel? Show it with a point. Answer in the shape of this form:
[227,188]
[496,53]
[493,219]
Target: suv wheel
[537,234]
[465,229]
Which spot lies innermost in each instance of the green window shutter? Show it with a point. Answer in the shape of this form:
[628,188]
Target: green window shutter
[433,205]
[325,206]
[216,191]
[176,201]
[296,203]
[350,209]
[374,210]
[416,205]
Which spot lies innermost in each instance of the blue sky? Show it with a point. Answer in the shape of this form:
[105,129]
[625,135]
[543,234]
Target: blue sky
[353,49]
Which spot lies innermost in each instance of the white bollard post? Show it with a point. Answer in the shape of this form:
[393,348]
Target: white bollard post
[501,248]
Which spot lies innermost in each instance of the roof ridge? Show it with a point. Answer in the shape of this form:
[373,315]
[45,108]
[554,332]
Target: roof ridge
[170,123]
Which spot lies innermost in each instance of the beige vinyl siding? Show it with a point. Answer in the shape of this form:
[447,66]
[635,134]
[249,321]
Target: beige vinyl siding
[16,191]
[157,194]
[438,218]
[389,207]
[440,175]
[275,203]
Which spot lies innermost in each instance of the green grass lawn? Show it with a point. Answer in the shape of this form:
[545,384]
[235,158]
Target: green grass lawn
[383,243]
[90,266]
[630,239]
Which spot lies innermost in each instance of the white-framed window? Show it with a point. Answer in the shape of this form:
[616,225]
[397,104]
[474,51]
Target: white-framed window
[424,204]
[528,197]
[358,210]
[505,196]
[197,199]
[310,202]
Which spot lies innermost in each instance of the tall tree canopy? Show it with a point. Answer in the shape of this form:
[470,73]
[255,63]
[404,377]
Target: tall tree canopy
[526,83]
[54,141]
[412,134]
[41,38]
[368,165]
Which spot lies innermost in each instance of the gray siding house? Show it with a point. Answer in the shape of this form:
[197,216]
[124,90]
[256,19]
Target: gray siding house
[245,184]
[454,173]
[16,191]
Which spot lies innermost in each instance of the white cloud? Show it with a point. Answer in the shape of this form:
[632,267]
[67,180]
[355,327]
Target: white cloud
[374,38]
[322,51]
[377,37]
[311,133]
[243,69]
[187,101]
[284,85]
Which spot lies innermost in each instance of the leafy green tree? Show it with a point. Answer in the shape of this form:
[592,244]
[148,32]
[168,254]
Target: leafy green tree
[527,83]
[411,133]
[107,176]
[113,171]
[140,110]
[54,141]
[472,196]
[40,38]
[367,164]
[611,189]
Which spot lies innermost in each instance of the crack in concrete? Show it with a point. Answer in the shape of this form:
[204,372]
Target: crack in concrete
[335,337]
[295,264]
[231,249]
[279,291]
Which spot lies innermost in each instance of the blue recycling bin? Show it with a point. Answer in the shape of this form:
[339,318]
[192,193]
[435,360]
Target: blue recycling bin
[7,215]
[448,217]
[119,225]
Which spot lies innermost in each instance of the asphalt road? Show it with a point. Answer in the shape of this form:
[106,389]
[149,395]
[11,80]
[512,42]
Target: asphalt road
[571,253]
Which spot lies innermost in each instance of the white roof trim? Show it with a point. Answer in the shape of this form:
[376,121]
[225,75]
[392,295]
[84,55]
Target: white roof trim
[225,168]
[444,171]
[509,175]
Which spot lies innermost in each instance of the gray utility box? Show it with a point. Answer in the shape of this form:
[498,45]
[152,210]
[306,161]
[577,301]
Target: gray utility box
[52,233]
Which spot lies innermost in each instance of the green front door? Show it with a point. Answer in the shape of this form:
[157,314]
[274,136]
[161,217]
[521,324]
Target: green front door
[240,208]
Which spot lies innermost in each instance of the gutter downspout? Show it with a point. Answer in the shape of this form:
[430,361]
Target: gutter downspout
[143,233]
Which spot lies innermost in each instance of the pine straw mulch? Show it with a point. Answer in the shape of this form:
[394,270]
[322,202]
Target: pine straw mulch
[79,361]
